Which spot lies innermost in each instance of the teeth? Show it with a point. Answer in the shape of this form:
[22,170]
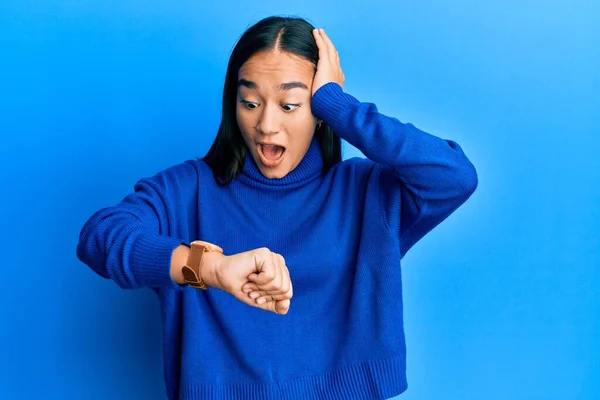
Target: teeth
[272,147]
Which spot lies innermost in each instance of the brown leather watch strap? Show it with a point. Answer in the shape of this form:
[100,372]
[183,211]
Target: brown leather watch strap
[191,270]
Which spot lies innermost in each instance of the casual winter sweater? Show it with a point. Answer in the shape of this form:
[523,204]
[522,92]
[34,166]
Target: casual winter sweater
[343,235]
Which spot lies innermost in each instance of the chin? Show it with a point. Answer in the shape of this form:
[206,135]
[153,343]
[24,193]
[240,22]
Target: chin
[273,173]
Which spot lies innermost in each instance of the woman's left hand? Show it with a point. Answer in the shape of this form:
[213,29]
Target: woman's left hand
[328,67]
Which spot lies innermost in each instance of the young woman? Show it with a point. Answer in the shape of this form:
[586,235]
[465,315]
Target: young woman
[277,264]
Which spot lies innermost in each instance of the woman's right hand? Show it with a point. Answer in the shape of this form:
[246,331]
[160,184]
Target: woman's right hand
[257,277]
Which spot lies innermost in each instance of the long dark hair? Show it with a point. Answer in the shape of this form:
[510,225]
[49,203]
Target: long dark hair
[293,35]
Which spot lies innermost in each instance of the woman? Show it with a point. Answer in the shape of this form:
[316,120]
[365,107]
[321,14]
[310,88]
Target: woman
[272,220]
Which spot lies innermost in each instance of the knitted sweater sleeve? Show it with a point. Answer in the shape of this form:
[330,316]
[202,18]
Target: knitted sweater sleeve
[131,242]
[422,179]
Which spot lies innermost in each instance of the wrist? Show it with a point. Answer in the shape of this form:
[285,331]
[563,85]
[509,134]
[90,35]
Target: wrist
[200,259]
[178,258]
[210,267]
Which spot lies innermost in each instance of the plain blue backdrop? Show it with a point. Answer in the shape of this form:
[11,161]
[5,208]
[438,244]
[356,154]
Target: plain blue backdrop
[501,300]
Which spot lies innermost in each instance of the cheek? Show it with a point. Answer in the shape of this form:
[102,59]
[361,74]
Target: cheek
[243,121]
[238,116]
[305,124]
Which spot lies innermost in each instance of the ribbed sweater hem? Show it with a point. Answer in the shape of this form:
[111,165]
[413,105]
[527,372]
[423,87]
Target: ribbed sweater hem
[378,379]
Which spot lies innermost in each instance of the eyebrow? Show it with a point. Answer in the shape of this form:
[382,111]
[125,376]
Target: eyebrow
[283,87]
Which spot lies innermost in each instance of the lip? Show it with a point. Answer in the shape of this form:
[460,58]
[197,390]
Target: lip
[266,161]
[270,144]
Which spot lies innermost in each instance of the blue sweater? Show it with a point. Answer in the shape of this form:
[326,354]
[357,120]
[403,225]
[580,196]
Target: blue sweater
[343,235]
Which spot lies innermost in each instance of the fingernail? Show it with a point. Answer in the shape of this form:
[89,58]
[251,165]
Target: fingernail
[247,290]
[261,301]
[254,295]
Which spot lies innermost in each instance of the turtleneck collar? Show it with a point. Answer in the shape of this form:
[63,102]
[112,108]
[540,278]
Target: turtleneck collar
[309,168]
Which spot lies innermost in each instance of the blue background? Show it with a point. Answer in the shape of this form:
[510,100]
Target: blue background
[501,300]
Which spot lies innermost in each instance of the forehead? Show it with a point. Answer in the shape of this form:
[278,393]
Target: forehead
[275,67]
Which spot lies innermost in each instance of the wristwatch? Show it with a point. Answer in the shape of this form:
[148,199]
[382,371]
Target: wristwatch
[191,269]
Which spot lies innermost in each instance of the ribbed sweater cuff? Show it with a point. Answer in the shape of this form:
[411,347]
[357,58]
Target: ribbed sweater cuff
[330,103]
[151,258]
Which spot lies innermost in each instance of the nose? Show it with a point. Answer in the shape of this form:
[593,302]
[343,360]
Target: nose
[269,122]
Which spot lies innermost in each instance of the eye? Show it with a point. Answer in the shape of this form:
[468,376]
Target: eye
[249,105]
[290,107]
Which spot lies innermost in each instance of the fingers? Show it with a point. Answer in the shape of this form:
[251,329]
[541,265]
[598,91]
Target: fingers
[278,307]
[272,273]
[287,282]
[330,47]
[279,285]
[269,288]
[282,307]
[254,292]
[325,44]
[321,45]
[281,272]
[268,276]
[268,296]
[262,297]
[277,304]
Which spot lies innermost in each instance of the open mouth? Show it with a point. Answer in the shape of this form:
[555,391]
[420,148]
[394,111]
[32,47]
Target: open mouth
[271,155]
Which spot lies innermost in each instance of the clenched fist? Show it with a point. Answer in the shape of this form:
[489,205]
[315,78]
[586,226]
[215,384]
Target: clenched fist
[257,277]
